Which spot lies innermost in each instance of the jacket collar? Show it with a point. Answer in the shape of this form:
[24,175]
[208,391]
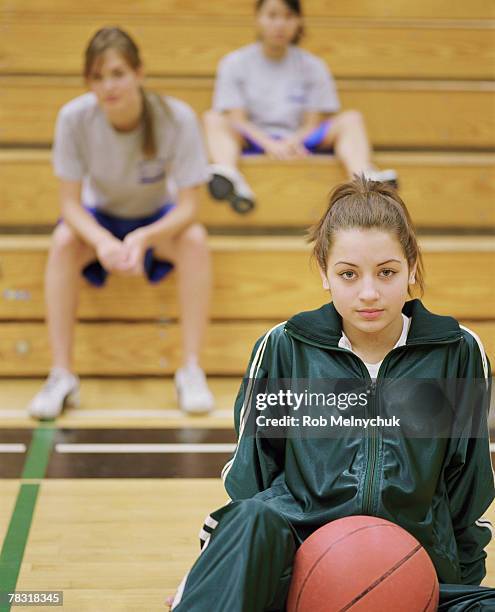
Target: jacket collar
[324,325]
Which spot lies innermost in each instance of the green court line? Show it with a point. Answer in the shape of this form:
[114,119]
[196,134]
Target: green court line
[39,453]
[16,539]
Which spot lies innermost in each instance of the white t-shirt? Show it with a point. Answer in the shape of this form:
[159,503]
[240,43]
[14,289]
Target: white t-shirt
[274,93]
[374,367]
[116,177]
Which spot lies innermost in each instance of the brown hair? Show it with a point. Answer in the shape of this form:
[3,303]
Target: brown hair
[115,38]
[366,204]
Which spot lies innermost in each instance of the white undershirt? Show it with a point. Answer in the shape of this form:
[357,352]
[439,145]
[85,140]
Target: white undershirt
[374,367]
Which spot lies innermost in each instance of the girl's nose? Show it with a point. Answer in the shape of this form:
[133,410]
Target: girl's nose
[368,291]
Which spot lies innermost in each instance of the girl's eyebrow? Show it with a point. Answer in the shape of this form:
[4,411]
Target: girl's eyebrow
[346,263]
[388,261]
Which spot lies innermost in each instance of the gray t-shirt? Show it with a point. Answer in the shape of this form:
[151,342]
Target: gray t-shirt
[116,178]
[274,93]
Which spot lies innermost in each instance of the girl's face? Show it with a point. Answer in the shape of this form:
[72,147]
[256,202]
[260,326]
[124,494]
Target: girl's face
[277,23]
[115,83]
[368,277]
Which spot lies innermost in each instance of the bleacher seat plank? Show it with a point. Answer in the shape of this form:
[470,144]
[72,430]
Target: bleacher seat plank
[119,349]
[440,9]
[434,186]
[415,114]
[53,43]
[267,276]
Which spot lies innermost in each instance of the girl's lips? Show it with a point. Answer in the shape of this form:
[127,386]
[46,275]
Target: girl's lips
[370,314]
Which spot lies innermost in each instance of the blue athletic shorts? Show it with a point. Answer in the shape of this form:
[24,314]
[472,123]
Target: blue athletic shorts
[311,142]
[155,269]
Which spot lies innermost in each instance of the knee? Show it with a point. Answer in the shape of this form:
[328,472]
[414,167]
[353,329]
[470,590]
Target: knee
[65,241]
[213,119]
[254,509]
[351,118]
[66,247]
[194,237]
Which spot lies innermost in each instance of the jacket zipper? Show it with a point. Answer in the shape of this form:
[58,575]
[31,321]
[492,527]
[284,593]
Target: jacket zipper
[372,452]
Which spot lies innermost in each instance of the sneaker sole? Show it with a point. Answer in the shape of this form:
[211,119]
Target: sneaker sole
[241,205]
[71,400]
[220,187]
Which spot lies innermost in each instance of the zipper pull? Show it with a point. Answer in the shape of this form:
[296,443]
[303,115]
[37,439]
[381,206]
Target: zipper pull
[372,388]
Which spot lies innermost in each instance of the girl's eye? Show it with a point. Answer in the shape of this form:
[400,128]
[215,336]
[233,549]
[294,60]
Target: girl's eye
[118,74]
[347,275]
[96,77]
[387,273]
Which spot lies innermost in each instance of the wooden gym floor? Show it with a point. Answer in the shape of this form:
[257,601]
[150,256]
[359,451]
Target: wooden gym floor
[114,527]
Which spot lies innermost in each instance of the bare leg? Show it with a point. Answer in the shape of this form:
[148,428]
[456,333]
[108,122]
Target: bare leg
[190,254]
[347,134]
[225,146]
[224,143]
[67,256]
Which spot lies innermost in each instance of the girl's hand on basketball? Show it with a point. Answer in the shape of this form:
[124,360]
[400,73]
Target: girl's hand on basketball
[112,254]
[135,244]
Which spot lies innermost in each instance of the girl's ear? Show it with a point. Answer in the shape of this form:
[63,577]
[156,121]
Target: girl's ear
[324,279]
[412,274]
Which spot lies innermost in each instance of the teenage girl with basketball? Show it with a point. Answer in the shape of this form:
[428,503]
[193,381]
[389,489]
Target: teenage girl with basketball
[273,97]
[370,336]
[121,152]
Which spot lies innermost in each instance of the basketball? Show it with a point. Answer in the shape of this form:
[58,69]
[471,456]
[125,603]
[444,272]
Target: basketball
[362,563]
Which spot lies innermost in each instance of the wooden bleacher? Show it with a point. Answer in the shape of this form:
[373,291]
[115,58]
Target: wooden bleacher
[378,9]
[252,275]
[421,73]
[146,349]
[41,39]
[435,186]
[268,277]
[399,114]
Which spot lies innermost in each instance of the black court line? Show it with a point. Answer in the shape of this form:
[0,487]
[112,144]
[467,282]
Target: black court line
[139,465]
[124,464]
[11,464]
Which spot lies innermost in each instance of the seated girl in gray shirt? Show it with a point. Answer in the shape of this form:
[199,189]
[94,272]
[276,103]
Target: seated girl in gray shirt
[121,154]
[273,97]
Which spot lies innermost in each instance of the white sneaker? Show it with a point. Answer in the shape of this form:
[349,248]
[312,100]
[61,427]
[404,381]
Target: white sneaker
[61,388]
[383,176]
[229,184]
[193,394]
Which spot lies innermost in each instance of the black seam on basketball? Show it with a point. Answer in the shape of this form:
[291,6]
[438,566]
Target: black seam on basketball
[425,609]
[382,578]
[308,575]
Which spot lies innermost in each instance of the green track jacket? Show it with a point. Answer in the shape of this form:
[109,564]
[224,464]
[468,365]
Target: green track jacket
[437,488]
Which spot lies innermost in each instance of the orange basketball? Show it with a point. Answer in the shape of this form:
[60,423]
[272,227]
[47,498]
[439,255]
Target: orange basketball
[362,564]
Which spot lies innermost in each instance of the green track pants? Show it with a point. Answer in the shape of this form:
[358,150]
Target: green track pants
[246,566]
